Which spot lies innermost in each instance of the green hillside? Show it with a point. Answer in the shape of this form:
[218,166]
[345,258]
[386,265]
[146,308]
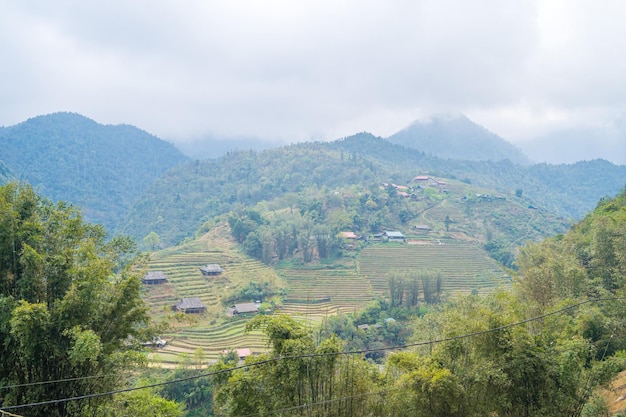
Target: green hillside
[101,168]
[192,193]
[212,331]
[353,274]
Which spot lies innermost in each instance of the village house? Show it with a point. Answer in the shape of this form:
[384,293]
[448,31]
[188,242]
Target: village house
[347,235]
[191,305]
[349,239]
[422,228]
[241,353]
[245,308]
[154,278]
[378,236]
[394,236]
[211,270]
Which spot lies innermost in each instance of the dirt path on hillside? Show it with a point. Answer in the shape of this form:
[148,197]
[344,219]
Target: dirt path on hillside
[422,214]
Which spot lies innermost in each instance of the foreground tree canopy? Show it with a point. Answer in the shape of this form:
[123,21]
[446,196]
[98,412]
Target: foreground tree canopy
[69,306]
[541,349]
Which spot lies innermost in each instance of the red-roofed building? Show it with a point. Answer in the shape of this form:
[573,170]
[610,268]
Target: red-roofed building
[241,353]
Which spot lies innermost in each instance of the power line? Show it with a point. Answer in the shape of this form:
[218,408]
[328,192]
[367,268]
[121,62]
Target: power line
[297,407]
[313,355]
[54,381]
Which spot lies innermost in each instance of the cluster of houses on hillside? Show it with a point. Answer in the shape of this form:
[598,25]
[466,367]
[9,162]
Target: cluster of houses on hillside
[194,305]
[387,236]
[421,182]
[187,305]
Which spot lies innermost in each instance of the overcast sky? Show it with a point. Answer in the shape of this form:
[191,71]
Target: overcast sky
[300,70]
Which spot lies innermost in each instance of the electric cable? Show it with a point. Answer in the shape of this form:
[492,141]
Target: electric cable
[312,355]
[54,381]
[297,407]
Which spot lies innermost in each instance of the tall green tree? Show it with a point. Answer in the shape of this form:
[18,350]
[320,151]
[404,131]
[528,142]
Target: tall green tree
[297,377]
[69,304]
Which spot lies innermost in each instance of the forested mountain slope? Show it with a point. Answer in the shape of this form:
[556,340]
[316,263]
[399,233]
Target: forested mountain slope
[541,348]
[568,190]
[101,168]
[5,174]
[180,201]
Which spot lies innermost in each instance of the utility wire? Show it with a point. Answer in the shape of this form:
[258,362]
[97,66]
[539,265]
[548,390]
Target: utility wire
[313,355]
[297,407]
[54,381]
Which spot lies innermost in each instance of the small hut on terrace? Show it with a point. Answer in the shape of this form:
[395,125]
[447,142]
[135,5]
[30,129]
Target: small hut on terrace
[211,270]
[154,278]
[191,305]
[246,308]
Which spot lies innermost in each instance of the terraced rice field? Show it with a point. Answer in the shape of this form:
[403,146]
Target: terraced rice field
[210,331]
[213,340]
[313,291]
[463,266]
[317,292]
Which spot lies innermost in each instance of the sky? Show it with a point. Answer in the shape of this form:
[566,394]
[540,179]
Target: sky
[315,69]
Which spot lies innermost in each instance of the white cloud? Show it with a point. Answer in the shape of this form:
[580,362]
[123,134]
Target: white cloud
[314,69]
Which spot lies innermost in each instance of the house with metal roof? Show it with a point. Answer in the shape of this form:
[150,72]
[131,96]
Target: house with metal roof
[394,235]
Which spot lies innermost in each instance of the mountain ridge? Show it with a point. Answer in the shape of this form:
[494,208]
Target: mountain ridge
[70,157]
[457,137]
[124,177]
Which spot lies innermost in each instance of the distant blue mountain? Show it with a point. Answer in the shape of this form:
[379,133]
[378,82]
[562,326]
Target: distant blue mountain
[457,137]
[581,144]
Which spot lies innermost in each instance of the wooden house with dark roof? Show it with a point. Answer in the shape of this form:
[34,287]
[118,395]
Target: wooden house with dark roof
[191,305]
[246,308]
[154,278]
[211,270]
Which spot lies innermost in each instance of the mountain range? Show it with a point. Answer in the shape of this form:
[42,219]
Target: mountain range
[134,182]
[571,145]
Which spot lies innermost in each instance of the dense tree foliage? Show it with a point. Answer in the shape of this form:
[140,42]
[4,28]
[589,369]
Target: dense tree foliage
[69,302]
[102,168]
[541,349]
[5,173]
[194,192]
